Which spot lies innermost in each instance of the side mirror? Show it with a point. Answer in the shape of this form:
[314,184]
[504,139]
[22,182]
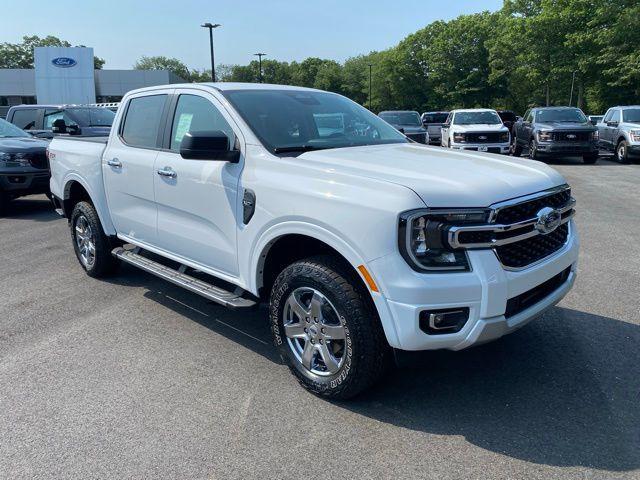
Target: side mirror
[612,124]
[59,126]
[208,145]
[518,118]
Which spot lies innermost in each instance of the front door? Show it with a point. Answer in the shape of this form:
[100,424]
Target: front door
[128,168]
[197,200]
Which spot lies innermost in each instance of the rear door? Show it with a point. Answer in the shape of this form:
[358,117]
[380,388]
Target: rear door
[127,166]
[198,203]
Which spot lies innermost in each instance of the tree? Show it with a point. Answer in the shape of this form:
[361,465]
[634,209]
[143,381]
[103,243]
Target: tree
[164,63]
[20,55]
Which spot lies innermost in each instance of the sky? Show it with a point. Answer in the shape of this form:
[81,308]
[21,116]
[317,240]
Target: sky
[122,31]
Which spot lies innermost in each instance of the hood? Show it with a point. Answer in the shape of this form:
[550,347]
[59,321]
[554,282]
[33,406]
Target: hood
[480,128]
[441,177]
[22,144]
[565,126]
[411,128]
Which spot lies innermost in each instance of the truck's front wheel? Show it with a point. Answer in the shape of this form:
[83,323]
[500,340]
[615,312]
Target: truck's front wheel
[326,330]
[92,246]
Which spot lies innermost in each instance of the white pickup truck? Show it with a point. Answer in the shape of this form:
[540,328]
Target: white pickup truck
[360,240]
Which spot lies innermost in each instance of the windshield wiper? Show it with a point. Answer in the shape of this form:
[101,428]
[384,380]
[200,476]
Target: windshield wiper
[299,148]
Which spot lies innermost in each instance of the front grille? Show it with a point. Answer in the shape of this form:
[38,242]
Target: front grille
[529,298]
[570,136]
[417,137]
[526,210]
[482,137]
[38,160]
[528,251]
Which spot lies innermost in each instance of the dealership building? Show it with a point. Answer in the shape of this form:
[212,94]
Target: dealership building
[67,76]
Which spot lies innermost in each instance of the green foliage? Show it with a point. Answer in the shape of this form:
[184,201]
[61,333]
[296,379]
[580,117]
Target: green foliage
[20,55]
[164,63]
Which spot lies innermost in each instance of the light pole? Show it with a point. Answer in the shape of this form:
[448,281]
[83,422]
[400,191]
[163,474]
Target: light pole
[573,79]
[211,26]
[370,65]
[260,55]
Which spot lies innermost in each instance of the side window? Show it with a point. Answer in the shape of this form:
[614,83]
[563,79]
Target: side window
[197,114]
[51,115]
[608,115]
[449,119]
[25,118]
[616,117]
[529,116]
[142,121]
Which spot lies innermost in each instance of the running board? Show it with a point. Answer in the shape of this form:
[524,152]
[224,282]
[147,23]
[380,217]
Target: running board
[178,277]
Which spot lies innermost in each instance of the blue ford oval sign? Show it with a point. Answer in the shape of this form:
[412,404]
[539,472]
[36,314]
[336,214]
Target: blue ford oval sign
[63,62]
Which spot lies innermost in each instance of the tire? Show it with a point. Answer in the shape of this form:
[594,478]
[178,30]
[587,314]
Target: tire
[358,356]
[622,152]
[533,150]
[590,159]
[92,246]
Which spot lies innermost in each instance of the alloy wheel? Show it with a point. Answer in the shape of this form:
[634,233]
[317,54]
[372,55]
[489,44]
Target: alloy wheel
[85,241]
[315,334]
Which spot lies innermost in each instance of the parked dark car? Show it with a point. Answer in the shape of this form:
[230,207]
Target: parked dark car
[24,169]
[508,117]
[433,122]
[554,131]
[407,122]
[595,119]
[48,120]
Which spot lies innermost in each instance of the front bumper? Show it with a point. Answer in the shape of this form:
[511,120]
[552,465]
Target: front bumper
[24,182]
[483,147]
[567,148]
[484,290]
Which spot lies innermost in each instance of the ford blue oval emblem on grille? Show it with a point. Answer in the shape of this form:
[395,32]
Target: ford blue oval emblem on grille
[63,62]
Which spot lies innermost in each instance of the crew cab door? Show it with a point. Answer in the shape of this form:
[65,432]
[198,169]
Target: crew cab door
[128,166]
[197,199]
[612,126]
[526,128]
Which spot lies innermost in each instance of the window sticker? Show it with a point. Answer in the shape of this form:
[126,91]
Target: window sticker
[184,124]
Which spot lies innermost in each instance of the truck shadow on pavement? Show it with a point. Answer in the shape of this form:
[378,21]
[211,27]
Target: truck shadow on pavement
[38,209]
[563,391]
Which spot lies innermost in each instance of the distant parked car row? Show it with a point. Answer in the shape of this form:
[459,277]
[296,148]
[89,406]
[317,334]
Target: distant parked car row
[543,132]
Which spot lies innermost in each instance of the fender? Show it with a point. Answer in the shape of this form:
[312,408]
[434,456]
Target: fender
[326,235]
[99,204]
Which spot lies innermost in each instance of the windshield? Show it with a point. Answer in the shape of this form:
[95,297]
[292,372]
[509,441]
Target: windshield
[401,118]
[434,117]
[8,130]
[92,117]
[291,120]
[631,116]
[477,118]
[561,115]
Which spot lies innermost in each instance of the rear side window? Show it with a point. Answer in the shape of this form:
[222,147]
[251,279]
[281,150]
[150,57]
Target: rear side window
[142,121]
[25,118]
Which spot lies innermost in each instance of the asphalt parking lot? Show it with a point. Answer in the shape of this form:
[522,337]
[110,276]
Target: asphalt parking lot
[136,378]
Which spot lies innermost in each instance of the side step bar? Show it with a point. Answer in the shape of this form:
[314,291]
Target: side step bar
[178,277]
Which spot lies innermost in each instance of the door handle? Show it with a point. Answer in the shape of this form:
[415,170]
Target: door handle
[167,172]
[114,162]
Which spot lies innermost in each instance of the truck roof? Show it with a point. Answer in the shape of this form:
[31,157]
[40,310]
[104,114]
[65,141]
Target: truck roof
[228,86]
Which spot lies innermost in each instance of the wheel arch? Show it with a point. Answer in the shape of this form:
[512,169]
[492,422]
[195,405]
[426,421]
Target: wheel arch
[75,190]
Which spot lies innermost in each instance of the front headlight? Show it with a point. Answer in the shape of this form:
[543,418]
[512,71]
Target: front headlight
[458,137]
[544,136]
[14,159]
[504,137]
[635,135]
[595,135]
[422,238]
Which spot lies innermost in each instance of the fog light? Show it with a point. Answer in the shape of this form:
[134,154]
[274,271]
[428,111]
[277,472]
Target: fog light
[437,322]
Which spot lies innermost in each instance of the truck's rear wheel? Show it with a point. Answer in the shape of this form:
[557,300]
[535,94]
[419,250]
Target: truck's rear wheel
[92,246]
[516,150]
[326,331]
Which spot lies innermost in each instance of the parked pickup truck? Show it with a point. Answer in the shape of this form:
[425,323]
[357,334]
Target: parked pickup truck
[549,131]
[360,240]
[478,129]
[620,132]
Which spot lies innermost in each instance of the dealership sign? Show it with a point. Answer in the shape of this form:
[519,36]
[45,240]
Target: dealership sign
[64,62]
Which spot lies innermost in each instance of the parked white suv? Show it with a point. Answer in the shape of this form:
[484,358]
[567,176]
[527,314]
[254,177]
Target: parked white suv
[360,240]
[478,129]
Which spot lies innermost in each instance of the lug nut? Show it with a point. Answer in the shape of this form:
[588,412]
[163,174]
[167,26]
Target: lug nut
[323,330]
[313,341]
[306,331]
[321,341]
[315,319]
